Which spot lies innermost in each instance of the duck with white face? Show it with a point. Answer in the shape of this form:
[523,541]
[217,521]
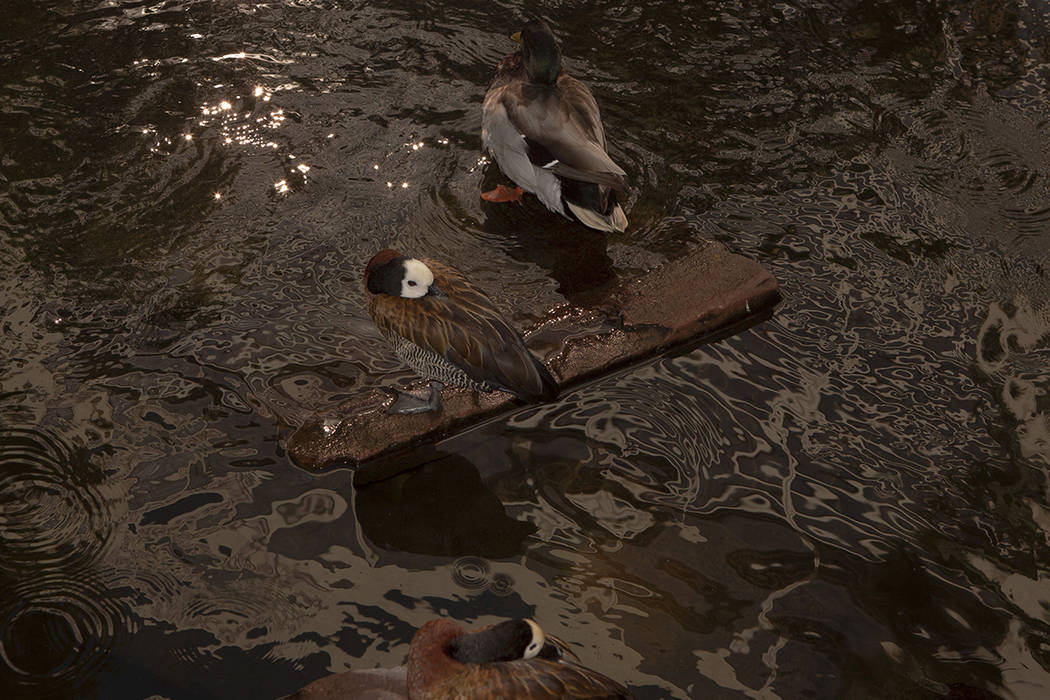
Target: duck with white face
[449,332]
[504,641]
[510,659]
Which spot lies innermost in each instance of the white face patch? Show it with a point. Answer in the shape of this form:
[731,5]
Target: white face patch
[417,279]
[538,639]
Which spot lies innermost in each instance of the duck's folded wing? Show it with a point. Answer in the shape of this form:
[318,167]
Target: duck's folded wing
[537,678]
[563,132]
[466,330]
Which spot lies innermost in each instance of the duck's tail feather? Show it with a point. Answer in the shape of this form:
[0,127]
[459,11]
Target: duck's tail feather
[593,205]
[613,222]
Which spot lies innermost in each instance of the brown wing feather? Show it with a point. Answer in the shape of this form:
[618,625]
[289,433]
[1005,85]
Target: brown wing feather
[566,121]
[532,679]
[467,330]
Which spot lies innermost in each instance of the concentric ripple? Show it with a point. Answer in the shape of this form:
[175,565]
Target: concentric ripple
[472,573]
[58,630]
[475,574]
[51,512]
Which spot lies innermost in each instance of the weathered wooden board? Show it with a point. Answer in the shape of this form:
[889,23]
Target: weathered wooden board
[678,305]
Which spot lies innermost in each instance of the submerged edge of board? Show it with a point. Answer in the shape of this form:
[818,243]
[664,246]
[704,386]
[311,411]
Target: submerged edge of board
[676,306]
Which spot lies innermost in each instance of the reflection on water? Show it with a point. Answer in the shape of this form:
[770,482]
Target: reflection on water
[436,509]
[848,500]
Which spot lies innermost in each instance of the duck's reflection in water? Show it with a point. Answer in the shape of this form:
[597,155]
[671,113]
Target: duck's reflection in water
[441,508]
[575,257]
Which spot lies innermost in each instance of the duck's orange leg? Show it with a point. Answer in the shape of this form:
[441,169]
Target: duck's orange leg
[502,193]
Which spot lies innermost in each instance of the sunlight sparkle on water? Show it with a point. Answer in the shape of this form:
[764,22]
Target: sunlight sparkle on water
[241,128]
[276,119]
[223,106]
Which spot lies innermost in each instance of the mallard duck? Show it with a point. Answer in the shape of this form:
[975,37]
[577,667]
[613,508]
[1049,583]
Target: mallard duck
[543,128]
[448,331]
[510,659]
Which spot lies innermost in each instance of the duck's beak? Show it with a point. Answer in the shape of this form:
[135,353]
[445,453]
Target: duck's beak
[516,36]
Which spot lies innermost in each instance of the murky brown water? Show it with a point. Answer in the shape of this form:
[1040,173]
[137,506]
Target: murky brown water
[849,500]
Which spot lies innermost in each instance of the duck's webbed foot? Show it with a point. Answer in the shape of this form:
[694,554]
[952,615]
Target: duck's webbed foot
[502,193]
[406,403]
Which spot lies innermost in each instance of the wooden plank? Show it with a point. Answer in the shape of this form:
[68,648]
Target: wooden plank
[672,308]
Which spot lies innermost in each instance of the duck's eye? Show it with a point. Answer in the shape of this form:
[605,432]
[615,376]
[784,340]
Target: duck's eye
[412,283]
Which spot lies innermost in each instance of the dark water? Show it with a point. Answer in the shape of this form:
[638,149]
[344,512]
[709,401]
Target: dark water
[850,500]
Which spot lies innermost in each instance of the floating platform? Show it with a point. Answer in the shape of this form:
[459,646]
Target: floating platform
[707,294]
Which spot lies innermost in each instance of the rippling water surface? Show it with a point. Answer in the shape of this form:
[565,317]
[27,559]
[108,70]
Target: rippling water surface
[849,500]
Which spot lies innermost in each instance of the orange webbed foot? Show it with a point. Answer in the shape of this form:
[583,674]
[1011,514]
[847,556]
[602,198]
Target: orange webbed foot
[502,193]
